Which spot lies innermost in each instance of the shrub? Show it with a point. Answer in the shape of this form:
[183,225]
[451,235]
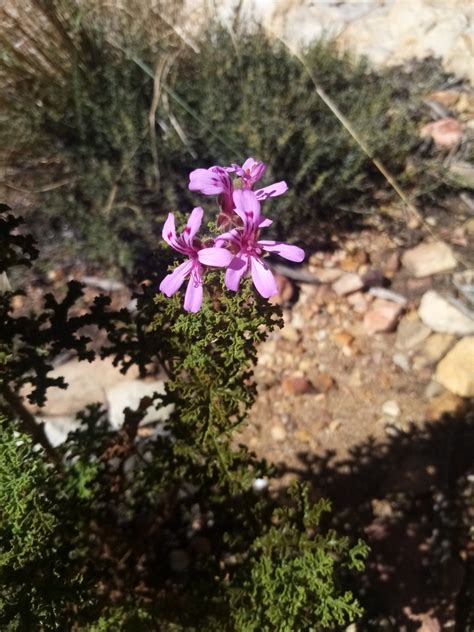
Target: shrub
[86,117]
[116,530]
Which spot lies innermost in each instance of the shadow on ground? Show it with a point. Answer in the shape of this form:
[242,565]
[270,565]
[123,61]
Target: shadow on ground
[411,497]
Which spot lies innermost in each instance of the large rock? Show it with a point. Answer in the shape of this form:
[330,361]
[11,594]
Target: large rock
[429,258]
[58,428]
[411,332]
[87,384]
[456,370]
[129,394]
[432,350]
[441,316]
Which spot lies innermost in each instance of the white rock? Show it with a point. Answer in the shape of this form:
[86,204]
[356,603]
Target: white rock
[289,333]
[429,258]
[129,394]
[87,384]
[297,321]
[278,433]
[260,484]
[391,408]
[58,428]
[441,316]
[456,370]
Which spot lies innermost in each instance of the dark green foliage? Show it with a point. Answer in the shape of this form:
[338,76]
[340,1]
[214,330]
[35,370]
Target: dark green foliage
[119,178]
[40,584]
[156,530]
[291,583]
[27,345]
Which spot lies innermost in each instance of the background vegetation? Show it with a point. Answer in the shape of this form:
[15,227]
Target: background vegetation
[109,109]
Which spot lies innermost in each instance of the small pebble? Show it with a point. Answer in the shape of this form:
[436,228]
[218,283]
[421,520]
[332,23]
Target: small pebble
[391,408]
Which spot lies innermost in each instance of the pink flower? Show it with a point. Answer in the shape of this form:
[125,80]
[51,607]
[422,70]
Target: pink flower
[215,181]
[248,250]
[186,244]
[251,172]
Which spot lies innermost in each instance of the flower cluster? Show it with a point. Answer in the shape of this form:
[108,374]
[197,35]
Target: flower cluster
[239,249]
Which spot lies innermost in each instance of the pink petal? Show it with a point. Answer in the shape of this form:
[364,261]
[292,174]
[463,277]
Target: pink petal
[236,270]
[218,257]
[263,278]
[247,207]
[264,222]
[193,296]
[232,236]
[207,181]
[248,164]
[173,281]
[278,188]
[193,225]
[169,230]
[292,253]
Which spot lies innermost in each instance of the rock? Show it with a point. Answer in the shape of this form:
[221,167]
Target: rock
[429,258]
[381,508]
[382,316]
[260,484]
[327,275]
[411,332]
[434,348]
[401,360]
[289,333]
[464,282]
[129,395]
[87,384]
[348,283]
[416,287]
[334,425]
[105,285]
[456,370]
[58,428]
[4,283]
[359,302]
[469,226]
[444,404]
[446,133]
[391,408]
[461,173]
[448,98]
[354,260]
[278,433]
[433,389]
[322,382]
[441,316]
[296,385]
[342,338]
[297,321]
